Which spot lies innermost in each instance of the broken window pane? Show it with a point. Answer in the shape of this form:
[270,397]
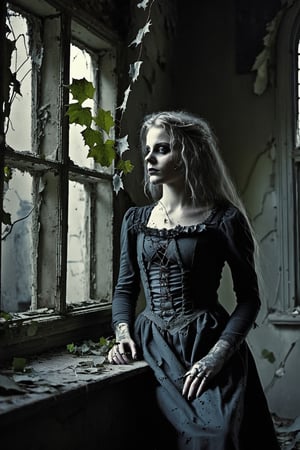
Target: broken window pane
[19,126]
[81,66]
[16,258]
[33,255]
[78,244]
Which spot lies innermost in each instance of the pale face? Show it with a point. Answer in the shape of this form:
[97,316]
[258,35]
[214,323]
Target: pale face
[160,158]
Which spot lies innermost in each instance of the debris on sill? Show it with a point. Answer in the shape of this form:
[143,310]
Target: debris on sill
[8,317]
[86,304]
[57,372]
[79,362]
[50,374]
[296,311]
[289,316]
[100,348]
[28,381]
[288,432]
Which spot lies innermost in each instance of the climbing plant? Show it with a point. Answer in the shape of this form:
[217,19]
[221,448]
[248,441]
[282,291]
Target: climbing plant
[100,130]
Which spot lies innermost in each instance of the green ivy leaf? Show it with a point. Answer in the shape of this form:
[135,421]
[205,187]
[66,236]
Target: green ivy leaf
[134,70]
[102,341]
[19,364]
[125,166]
[125,99]
[141,34]
[106,344]
[85,348]
[143,4]
[71,348]
[6,316]
[104,120]
[79,115]
[92,137]
[81,89]
[117,183]
[122,145]
[103,153]
[268,355]
[7,174]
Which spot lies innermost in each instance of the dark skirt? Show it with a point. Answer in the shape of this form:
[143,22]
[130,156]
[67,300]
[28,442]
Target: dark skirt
[232,414]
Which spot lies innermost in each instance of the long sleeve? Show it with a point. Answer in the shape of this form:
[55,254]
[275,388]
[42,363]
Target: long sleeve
[128,285]
[239,253]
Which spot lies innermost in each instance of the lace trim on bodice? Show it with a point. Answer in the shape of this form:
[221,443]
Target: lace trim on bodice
[172,232]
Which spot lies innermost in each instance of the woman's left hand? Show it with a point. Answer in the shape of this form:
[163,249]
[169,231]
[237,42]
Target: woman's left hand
[198,377]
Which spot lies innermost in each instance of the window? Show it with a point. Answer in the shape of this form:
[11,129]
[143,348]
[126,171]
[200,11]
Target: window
[56,255]
[288,160]
[296,159]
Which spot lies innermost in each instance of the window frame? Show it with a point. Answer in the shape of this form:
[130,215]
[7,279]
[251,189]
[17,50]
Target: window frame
[288,190]
[296,153]
[81,322]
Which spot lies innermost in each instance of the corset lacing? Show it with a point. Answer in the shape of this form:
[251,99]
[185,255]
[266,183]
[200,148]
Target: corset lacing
[167,291]
[168,281]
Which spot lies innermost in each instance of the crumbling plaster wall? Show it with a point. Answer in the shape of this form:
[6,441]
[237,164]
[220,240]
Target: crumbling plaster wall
[206,81]
[151,92]
[153,89]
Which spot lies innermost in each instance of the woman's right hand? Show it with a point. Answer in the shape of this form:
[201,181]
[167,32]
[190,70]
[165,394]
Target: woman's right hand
[124,351]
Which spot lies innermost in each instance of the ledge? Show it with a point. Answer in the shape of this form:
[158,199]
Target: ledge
[33,334]
[284,319]
[51,379]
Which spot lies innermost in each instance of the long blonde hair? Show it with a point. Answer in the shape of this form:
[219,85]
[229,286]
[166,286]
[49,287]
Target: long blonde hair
[207,181]
[206,178]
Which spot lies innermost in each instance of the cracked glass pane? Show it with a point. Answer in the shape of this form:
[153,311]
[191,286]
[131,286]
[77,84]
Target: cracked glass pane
[78,244]
[16,257]
[18,128]
[81,66]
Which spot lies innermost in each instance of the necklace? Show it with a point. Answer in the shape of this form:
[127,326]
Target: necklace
[167,218]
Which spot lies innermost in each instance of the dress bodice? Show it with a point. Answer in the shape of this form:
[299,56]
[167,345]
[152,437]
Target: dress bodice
[180,269]
[168,281]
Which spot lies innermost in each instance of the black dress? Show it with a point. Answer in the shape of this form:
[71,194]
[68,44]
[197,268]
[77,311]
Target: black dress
[180,270]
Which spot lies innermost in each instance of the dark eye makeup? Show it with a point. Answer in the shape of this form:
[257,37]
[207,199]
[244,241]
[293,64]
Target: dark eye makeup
[161,147]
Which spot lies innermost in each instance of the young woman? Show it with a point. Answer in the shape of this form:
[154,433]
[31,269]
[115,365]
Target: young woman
[207,384]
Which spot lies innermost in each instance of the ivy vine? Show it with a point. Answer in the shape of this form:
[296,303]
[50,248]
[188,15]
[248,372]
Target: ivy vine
[100,129]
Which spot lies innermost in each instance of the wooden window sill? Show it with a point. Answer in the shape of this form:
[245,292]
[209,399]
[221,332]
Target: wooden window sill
[54,378]
[284,319]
